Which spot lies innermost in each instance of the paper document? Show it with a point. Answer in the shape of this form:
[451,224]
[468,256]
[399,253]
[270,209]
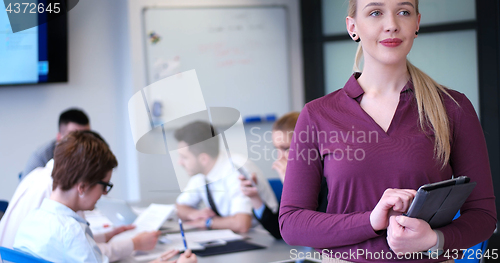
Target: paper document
[209,235]
[149,220]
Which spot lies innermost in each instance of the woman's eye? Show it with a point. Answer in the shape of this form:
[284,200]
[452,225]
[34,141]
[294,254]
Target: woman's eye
[375,13]
[404,13]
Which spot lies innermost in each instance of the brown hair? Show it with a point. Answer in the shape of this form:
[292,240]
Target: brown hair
[287,122]
[429,97]
[81,156]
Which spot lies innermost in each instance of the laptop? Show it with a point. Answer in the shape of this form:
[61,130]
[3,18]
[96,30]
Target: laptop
[117,211]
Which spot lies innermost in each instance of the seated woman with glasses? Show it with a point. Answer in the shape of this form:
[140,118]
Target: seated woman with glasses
[83,164]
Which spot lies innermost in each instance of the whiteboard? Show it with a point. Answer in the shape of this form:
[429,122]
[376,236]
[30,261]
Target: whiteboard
[240,54]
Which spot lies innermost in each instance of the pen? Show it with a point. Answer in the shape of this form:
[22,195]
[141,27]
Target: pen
[182,234]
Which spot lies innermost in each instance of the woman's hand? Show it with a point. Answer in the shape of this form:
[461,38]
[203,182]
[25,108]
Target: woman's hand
[280,167]
[393,202]
[146,240]
[166,256]
[187,257]
[251,191]
[406,234]
[247,188]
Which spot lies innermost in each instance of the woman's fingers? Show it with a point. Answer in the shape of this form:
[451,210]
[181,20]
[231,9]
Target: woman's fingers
[254,178]
[247,183]
[169,254]
[392,201]
[398,199]
[188,253]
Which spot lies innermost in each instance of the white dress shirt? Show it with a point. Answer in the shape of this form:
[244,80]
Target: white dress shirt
[56,233]
[30,193]
[28,196]
[224,186]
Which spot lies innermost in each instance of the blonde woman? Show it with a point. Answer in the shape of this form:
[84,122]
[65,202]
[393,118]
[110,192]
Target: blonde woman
[390,130]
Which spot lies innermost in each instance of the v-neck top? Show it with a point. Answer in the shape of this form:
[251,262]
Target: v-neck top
[354,91]
[336,138]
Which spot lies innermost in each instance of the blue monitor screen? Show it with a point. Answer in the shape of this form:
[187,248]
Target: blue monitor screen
[25,56]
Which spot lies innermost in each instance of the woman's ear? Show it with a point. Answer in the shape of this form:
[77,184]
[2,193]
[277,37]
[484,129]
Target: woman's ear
[350,24]
[418,21]
[351,28]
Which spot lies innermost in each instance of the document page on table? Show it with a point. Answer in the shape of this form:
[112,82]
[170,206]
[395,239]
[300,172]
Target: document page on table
[211,235]
[149,220]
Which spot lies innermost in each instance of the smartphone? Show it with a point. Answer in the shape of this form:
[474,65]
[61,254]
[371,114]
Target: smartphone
[247,175]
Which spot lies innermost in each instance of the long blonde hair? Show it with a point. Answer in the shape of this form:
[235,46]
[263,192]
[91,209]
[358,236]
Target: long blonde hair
[428,93]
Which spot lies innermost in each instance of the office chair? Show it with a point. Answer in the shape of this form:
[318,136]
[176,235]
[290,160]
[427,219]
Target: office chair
[14,256]
[470,255]
[277,187]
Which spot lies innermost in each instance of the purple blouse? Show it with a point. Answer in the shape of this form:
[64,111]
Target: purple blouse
[336,138]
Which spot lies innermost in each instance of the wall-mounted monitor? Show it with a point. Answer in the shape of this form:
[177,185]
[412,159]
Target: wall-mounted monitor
[35,55]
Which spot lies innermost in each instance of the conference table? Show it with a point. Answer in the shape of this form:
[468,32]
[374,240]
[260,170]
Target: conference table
[276,250]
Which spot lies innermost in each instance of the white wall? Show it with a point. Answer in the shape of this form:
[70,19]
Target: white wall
[99,82]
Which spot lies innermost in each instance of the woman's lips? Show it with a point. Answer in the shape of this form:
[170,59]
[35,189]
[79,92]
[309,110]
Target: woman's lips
[391,42]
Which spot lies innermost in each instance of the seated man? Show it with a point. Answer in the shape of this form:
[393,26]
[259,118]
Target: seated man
[70,120]
[215,183]
[29,195]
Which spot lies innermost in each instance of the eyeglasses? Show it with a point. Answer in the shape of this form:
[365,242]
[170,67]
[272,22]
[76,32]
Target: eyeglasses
[106,187]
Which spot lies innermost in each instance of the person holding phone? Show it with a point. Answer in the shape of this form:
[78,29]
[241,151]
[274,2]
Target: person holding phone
[282,133]
[388,131]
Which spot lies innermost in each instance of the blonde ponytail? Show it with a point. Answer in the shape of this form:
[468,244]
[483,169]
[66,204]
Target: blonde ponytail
[431,110]
[357,59]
